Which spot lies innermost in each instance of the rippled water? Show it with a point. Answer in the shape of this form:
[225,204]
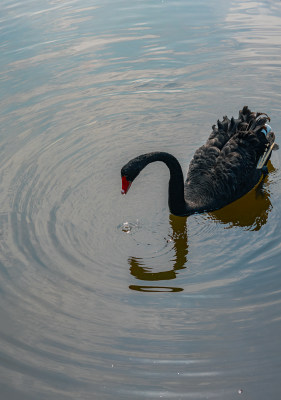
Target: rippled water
[110,297]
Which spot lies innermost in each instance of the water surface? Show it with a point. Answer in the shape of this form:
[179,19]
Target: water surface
[105,296]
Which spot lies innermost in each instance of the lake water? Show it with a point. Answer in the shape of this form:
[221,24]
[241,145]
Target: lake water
[104,296]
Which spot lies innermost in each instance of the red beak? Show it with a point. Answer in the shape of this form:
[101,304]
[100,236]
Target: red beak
[125,185]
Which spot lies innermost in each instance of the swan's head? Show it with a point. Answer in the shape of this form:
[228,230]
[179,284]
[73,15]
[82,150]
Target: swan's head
[127,180]
[129,172]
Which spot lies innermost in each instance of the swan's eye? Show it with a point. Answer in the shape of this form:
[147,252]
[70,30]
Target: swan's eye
[125,185]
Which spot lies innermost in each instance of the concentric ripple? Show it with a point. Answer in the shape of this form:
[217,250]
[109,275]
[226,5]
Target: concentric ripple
[107,296]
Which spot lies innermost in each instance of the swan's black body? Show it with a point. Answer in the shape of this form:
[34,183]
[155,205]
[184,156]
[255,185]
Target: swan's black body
[221,171]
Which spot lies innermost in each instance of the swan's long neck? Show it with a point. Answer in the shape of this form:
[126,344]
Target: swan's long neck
[177,203]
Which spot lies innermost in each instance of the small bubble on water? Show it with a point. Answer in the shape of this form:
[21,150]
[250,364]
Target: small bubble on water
[240,391]
[128,227]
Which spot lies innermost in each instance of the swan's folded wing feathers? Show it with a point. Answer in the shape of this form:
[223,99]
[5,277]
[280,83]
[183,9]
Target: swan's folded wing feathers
[219,136]
[204,159]
[225,165]
[239,157]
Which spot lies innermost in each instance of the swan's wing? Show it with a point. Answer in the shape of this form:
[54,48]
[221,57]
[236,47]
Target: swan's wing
[226,164]
[228,136]
[247,123]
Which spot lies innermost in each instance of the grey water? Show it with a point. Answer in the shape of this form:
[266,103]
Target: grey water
[104,296]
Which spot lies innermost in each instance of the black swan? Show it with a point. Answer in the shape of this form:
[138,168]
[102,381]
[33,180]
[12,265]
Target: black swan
[226,167]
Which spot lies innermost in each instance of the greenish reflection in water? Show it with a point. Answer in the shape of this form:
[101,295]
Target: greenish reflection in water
[144,273]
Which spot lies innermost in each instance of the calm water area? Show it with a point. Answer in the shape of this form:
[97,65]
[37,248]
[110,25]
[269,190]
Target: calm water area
[104,296]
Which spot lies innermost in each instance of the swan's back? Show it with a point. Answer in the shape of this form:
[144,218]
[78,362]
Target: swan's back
[224,168]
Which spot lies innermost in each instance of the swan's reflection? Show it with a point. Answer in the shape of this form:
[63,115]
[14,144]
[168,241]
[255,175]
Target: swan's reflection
[250,212]
[180,246]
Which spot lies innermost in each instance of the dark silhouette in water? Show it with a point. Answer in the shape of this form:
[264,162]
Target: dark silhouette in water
[145,273]
[224,169]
